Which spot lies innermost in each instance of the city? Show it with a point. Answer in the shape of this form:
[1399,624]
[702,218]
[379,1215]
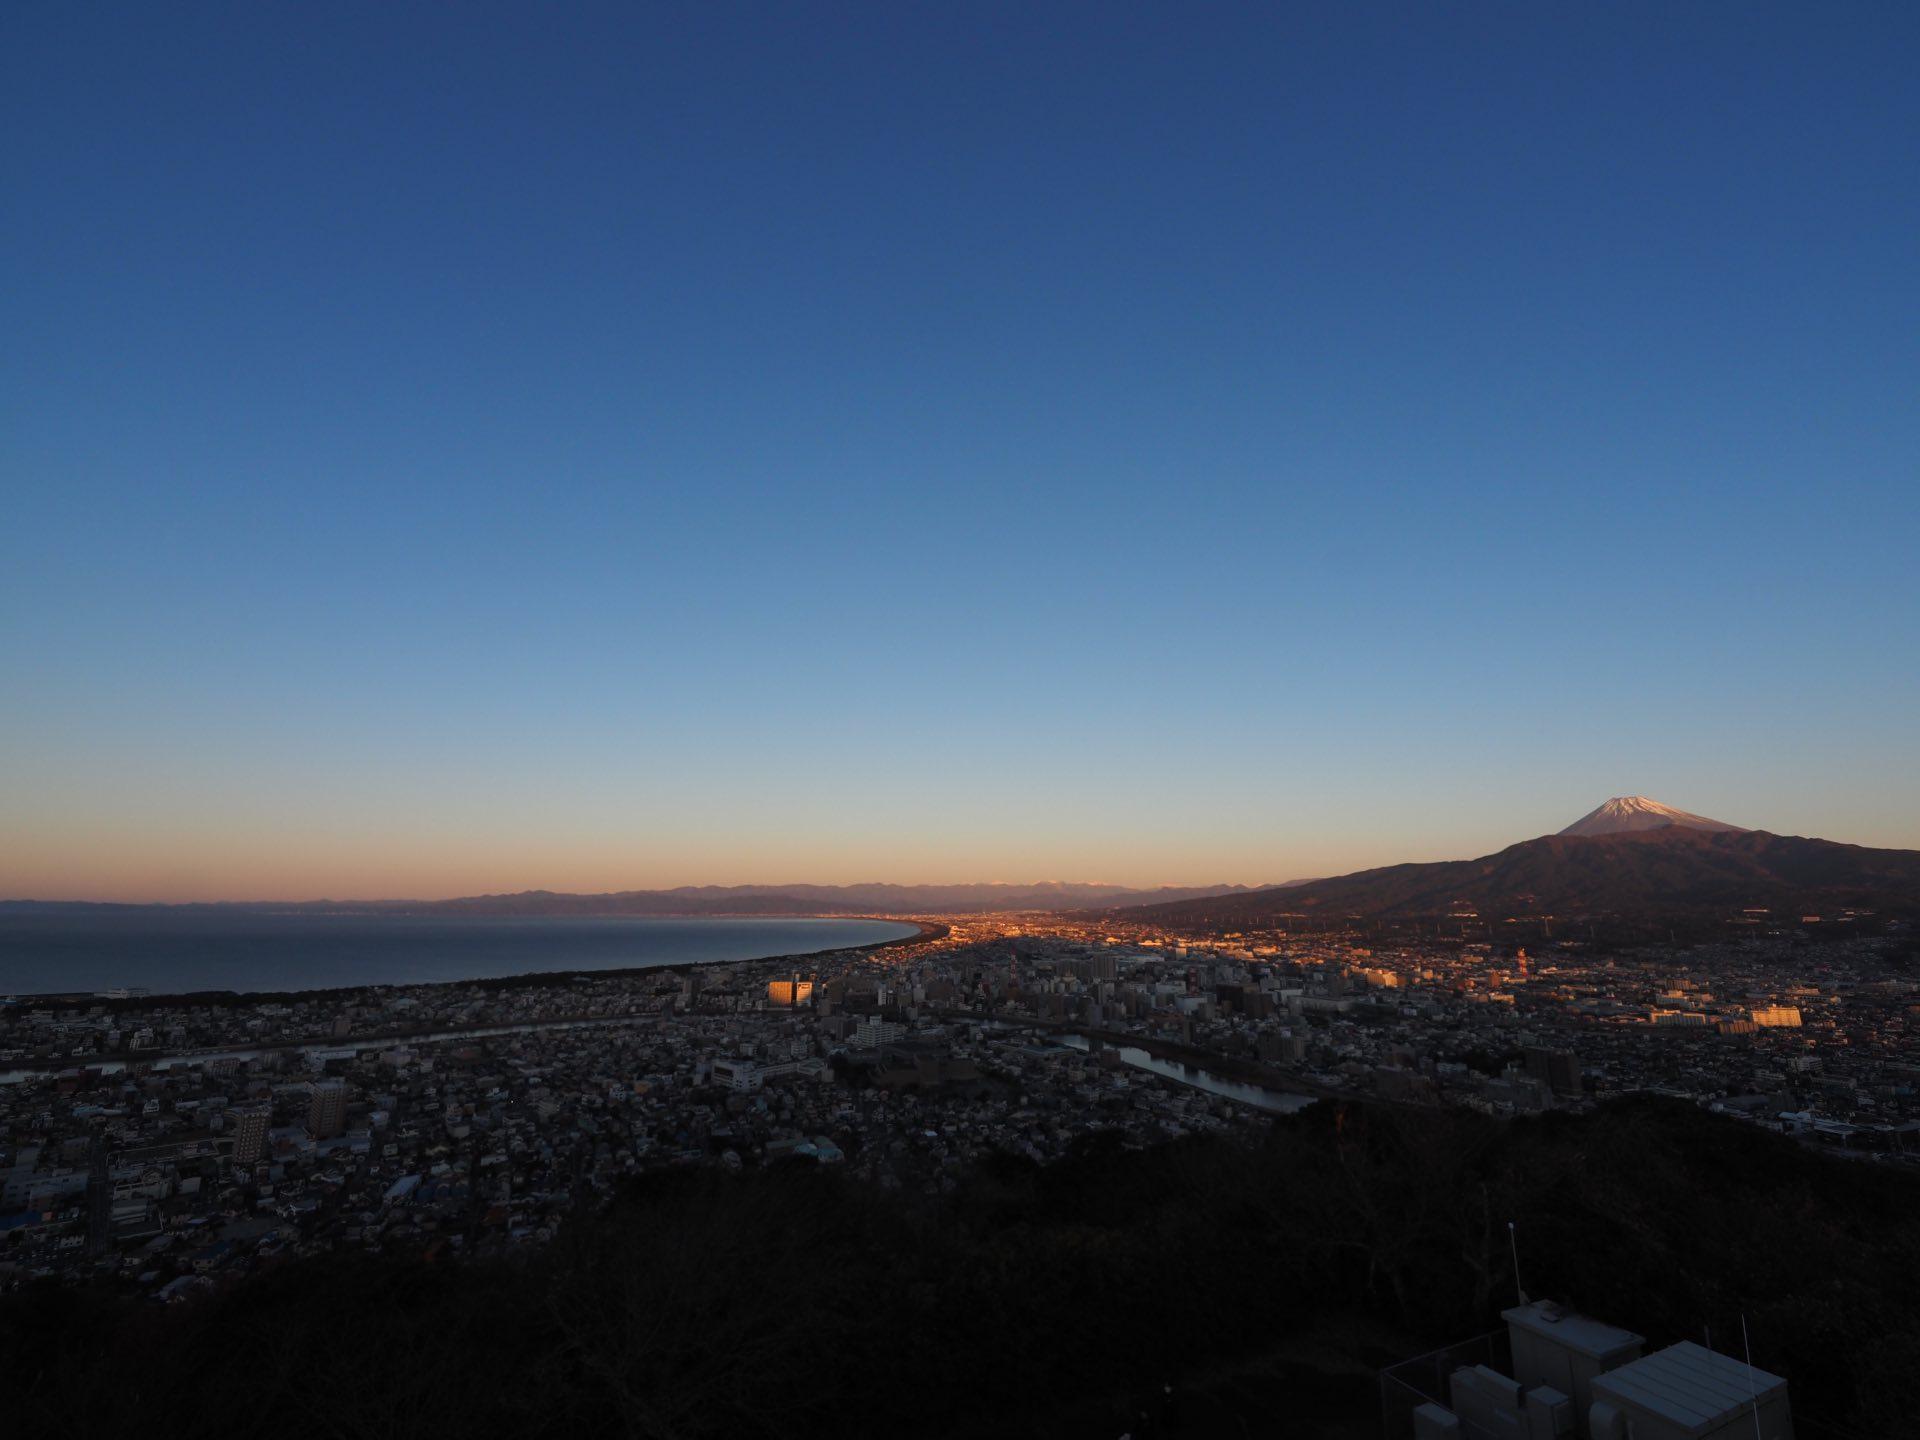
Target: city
[174,1144]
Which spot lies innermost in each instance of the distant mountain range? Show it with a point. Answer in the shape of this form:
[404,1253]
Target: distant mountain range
[1630,857]
[1046,895]
[830,899]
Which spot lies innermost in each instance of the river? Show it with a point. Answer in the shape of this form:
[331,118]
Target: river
[1277,1102]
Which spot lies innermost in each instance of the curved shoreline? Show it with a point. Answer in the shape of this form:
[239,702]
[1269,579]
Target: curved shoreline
[522,980]
[924,930]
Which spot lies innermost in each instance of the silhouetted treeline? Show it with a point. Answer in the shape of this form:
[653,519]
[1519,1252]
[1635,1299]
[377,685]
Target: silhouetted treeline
[1207,1287]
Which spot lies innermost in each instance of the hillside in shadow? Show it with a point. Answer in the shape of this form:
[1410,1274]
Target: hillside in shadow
[1201,1288]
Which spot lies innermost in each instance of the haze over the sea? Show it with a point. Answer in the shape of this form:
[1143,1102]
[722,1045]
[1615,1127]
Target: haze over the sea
[178,951]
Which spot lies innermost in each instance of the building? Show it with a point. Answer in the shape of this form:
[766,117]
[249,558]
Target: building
[326,1109]
[928,1064]
[789,993]
[1558,1070]
[1777,1017]
[1556,1348]
[1687,1390]
[745,1076]
[872,1032]
[249,1133]
[736,1074]
[1573,1376]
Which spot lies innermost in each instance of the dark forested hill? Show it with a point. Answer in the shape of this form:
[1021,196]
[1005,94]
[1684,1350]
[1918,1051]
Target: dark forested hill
[1197,1289]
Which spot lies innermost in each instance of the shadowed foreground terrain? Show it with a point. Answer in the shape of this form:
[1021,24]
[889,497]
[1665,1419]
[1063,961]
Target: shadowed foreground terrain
[1203,1288]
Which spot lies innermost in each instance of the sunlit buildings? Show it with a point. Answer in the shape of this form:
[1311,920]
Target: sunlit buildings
[789,993]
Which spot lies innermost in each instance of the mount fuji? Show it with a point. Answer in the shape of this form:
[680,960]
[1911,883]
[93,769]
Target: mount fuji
[1625,813]
[1632,858]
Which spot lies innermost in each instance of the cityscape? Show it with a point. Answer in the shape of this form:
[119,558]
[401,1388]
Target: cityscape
[178,1142]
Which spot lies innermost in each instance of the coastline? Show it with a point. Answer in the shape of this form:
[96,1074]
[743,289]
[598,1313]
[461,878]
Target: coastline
[74,999]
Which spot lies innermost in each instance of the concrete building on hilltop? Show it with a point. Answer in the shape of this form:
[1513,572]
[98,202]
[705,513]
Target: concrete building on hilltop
[1555,1375]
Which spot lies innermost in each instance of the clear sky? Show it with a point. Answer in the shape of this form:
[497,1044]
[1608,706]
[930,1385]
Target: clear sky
[454,448]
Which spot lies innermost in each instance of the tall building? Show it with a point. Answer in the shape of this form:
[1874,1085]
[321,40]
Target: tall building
[326,1109]
[789,993]
[1559,1070]
[249,1133]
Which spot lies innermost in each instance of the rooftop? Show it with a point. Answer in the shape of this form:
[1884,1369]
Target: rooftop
[1688,1384]
[1581,1333]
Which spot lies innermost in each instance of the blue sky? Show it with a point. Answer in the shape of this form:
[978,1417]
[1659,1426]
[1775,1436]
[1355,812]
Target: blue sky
[459,448]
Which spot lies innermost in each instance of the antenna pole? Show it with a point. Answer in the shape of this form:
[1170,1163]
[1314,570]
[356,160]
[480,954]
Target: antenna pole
[1513,1242]
[1753,1394]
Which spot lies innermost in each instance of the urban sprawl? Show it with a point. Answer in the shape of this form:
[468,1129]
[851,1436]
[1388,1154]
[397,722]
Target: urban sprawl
[171,1144]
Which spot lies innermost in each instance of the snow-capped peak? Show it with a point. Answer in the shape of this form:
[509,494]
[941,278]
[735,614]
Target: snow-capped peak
[1637,812]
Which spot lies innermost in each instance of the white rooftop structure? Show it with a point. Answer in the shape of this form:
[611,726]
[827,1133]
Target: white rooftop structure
[1571,1331]
[1578,1378]
[1564,1350]
[1685,1392]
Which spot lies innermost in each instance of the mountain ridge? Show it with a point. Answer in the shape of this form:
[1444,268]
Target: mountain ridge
[695,900]
[1669,870]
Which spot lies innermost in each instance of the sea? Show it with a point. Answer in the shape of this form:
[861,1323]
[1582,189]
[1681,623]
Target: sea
[171,952]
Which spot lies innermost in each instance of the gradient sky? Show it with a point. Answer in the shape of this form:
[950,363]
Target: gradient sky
[455,448]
